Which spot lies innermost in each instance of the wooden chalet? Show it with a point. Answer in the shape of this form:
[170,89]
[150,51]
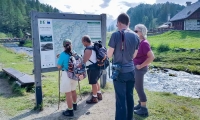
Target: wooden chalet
[188,18]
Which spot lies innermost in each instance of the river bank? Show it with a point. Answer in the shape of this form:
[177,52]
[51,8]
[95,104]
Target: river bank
[175,82]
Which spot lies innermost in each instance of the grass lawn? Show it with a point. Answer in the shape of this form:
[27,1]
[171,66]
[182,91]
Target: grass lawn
[177,39]
[166,106]
[177,60]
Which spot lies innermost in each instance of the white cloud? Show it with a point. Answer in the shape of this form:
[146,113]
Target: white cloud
[113,7]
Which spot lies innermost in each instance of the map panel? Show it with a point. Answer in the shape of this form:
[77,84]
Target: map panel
[52,32]
[74,30]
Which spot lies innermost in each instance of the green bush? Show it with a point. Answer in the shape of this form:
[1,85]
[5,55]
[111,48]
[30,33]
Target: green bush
[28,43]
[153,47]
[2,35]
[163,48]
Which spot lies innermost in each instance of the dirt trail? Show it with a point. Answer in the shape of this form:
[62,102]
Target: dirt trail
[5,90]
[104,110]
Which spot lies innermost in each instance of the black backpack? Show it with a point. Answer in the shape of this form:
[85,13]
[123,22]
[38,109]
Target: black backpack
[101,55]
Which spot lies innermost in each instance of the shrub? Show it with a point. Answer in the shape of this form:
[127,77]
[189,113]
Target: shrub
[163,48]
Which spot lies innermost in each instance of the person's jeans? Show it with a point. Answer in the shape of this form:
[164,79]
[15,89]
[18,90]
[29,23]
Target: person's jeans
[124,86]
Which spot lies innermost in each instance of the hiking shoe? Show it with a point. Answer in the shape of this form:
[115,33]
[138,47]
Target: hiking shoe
[68,113]
[99,96]
[92,100]
[137,107]
[143,111]
[75,106]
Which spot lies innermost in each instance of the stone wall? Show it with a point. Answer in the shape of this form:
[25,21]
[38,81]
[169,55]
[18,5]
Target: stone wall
[191,25]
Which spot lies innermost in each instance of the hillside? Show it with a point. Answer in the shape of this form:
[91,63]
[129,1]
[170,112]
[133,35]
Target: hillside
[152,15]
[177,39]
[15,15]
[178,50]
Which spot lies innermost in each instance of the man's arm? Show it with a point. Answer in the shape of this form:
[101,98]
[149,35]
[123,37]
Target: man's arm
[110,52]
[87,55]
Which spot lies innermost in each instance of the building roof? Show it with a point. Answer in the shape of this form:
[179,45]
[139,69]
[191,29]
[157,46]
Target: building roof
[165,25]
[186,12]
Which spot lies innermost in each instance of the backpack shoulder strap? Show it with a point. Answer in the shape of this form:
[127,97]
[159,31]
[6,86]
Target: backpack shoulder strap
[89,48]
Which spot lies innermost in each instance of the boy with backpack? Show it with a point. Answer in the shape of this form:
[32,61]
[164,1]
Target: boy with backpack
[94,66]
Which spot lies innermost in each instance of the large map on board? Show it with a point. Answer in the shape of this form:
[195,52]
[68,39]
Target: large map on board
[74,30]
[52,32]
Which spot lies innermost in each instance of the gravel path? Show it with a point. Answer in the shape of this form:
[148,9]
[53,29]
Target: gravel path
[5,91]
[104,110]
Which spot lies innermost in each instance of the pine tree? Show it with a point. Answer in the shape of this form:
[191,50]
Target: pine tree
[37,5]
[15,15]
[3,14]
[10,14]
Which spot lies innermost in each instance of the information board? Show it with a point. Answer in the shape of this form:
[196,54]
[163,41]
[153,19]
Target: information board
[52,32]
[48,32]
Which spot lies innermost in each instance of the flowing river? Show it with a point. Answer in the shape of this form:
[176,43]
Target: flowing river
[176,82]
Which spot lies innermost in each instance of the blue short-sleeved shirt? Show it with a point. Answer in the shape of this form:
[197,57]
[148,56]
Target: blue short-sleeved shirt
[63,60]
[131,41]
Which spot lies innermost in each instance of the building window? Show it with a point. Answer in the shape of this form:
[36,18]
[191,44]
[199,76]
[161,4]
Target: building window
[198,22]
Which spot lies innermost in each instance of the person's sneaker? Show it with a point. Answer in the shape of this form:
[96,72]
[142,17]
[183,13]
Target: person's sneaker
[75,106]
[99,96]
[137,107]
[143,111]
[92,100]
[68,113]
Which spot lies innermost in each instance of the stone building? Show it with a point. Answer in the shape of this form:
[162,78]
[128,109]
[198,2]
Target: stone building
[188,18]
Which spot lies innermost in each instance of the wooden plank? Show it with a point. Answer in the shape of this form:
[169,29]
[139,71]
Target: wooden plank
[22,78]
[26,79]
[12,72]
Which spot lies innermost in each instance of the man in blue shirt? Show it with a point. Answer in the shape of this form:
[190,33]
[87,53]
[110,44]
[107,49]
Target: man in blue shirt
[123,47]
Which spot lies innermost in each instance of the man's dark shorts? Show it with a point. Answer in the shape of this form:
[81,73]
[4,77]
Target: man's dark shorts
[93,75]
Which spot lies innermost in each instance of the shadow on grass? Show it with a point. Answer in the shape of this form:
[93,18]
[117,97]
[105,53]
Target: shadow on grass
[53,114]
[137,117]
[185,34]
[9,88]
